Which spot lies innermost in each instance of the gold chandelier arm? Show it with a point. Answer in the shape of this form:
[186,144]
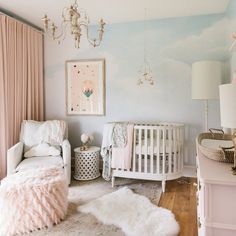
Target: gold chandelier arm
[65,15]
[62,34]
[93,41]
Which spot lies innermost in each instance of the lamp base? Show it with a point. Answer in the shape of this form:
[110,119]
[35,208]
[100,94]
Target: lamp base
[206,114]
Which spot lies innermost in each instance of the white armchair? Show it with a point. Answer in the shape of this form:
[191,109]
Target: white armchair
[28,138]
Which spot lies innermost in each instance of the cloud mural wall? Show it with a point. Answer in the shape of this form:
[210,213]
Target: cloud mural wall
[172,45]
[231,28]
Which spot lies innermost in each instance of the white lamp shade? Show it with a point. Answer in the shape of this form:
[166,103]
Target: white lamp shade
[228,105]
[206,78]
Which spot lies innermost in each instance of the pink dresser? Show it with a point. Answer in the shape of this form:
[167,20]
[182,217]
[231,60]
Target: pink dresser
[216,197]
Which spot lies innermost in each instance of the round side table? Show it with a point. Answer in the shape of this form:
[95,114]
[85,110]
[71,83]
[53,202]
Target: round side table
[87,163]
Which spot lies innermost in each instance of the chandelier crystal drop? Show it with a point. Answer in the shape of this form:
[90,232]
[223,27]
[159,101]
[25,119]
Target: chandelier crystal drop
[77,19]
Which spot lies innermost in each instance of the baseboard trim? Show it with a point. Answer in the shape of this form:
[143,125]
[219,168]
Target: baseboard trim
[190,171]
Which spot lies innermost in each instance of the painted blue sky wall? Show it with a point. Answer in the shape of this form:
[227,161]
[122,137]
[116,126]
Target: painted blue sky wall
[173,45]
[231,10]
[231,28]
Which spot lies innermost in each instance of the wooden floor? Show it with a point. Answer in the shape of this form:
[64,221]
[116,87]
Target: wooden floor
[180,198]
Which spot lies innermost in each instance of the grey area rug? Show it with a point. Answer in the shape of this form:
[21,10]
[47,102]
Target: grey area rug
[81,192]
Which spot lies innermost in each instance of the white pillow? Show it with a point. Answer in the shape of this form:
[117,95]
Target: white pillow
[27,135]
[42,149]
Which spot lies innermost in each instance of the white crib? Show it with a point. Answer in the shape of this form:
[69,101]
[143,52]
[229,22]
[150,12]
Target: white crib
[157,153]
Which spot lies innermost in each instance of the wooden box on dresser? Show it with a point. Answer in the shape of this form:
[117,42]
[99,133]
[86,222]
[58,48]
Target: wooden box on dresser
[216,198]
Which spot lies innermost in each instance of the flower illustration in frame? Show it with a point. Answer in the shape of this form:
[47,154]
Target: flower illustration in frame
[85,87]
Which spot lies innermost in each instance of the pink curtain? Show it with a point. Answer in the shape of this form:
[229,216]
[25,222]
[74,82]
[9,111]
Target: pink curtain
[21,81]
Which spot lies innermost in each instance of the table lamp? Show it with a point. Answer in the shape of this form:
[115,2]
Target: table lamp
[228,112]
[206,78]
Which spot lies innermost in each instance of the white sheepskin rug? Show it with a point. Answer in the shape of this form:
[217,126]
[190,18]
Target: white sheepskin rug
[133,213]
[32,200]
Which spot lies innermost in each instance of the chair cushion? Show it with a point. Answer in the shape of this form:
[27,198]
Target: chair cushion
[42,149]
[40,162]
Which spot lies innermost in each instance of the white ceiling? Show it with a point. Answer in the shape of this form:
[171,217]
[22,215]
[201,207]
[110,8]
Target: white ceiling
[114,11]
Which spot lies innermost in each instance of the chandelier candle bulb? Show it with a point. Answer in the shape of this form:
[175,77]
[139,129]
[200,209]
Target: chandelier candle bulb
[75,18]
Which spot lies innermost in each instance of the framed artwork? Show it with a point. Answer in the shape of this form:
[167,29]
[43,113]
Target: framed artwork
[85,87]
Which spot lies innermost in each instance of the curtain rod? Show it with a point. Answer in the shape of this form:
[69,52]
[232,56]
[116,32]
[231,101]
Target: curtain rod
[20,19]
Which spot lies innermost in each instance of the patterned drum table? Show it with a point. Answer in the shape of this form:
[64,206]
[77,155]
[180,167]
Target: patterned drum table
[87,163]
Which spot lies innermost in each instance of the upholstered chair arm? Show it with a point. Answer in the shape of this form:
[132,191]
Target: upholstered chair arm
[66,155]
[14,157]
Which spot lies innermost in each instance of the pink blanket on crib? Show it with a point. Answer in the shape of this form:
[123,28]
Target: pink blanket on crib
[121,157]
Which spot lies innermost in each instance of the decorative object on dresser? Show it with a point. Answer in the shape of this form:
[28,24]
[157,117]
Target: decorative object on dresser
[215,197]
[87,163]
[206,78]
[217,146]
[77,19]
[157,153]
[85,87]
[228,112]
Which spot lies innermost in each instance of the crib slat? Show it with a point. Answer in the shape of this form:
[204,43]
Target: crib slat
[170,149]
[164,151]
[178,148]
[145,149]
[158,149]
[151,150]
[134,150]
[175,149]
[140,149]
[181,147]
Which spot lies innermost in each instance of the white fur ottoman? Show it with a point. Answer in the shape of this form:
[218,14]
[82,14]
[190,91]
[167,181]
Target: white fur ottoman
[32,200]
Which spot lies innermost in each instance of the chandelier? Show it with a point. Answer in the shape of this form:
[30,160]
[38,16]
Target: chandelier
[145,71]
[77,19]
